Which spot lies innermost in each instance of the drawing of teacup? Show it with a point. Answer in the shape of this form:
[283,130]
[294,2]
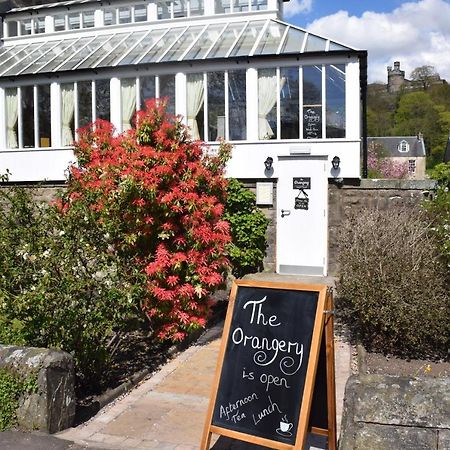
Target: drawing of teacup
[285,427]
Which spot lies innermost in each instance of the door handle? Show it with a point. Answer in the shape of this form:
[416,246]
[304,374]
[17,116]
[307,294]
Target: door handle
[285,212]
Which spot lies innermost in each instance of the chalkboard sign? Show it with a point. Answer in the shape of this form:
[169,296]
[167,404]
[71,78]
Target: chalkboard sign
[266,373]
[312,122]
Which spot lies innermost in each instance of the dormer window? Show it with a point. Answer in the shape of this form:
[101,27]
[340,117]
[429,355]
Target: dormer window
[403,147]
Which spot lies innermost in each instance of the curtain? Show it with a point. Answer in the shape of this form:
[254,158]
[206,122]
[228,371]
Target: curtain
[11,117]
[267,93]
[194,102]
[67,110]
[128,87]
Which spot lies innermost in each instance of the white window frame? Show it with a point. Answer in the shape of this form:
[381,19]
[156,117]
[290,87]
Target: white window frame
[403,146]
[412,166]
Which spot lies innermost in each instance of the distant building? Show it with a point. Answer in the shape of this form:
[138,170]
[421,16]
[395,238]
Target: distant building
[396,79]
[404,149]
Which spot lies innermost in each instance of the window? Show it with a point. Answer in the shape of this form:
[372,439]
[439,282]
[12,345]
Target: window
[216,105]
[109,17]
[44,114]
[167,89]
[125,15]
[312,102]
[88,19]
[196,7]
[195,105]
[60,23]
[128,101]
[74,21]
[67,114]
[39,25]
[12,28]
[28,116]
[403,146]
[12,124]
[102,99]
[84,90]
[226,111]
[25,27]
[335,101]
[267,103]
[234,6]
[412,166]
[140,13]
[289,103]
[147,90]
[237,105]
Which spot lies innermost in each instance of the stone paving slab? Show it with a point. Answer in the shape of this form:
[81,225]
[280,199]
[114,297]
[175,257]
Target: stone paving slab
[167,411]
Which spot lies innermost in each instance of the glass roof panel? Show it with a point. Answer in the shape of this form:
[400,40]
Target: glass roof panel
[335,46]
[227,39]
[29,59]
[45,59]
[162,45]
[102,51]
[207,39]
[248,38]
[118,52]
[65,54]
[315,44]
[294,41]
[182,45]
[84,52]
[148,42]
[18,56]
[271,39]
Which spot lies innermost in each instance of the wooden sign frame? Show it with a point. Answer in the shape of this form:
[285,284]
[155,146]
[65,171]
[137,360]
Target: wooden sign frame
[323,329]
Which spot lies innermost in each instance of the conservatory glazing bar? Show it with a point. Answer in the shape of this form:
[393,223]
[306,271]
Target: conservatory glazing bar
[244,38]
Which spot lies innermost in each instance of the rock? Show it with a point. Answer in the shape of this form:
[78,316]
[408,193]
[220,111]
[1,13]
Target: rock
[52,407]
[388,412]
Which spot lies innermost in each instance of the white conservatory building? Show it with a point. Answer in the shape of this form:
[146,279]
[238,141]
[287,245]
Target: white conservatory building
[289,101]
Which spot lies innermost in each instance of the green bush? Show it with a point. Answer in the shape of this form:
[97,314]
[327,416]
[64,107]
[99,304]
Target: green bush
[248,227]
[438,208]
[12,387]
[393,290]
[60,285]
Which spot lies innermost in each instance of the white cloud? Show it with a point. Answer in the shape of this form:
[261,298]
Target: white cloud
[416,34]
[294,7]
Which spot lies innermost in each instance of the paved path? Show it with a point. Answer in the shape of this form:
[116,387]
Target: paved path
[167,411]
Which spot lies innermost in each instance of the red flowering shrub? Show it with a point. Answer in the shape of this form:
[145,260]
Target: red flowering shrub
[159,199]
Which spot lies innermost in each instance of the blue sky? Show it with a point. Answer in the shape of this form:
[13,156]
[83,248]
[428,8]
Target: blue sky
[414,32]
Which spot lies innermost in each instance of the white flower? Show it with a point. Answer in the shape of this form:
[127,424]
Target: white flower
[46,254]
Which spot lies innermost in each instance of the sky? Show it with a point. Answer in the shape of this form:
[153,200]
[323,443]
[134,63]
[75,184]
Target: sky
[414,32]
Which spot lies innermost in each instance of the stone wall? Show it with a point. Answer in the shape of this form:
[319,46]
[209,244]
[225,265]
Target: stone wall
[383,194]
[387,412]
[52,407]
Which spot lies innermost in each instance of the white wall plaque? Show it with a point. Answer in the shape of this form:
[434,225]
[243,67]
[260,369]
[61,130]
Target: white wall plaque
[264,193]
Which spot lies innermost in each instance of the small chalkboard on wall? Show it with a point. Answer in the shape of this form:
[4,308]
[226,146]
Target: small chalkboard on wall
[277,337]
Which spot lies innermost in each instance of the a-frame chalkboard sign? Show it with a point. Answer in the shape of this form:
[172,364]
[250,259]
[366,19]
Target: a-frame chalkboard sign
[275,375]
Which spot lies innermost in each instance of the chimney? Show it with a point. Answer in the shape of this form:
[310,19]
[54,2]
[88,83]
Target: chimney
[420,136]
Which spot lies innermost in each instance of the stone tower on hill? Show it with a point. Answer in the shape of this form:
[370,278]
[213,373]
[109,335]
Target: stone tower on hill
[396,78]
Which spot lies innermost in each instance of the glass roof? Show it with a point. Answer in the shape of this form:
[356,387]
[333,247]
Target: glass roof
[178,43]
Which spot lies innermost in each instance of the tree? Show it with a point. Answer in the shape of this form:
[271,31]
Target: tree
[161,201]
[417,113]
[424,75]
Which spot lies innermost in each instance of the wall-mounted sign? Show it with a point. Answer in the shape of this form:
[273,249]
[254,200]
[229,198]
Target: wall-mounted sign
[264,193]
[312,122]
[301,203]
[267,390]
[301,183]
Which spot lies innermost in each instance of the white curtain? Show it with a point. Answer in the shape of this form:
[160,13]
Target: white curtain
[267,97]
[67,111]
[11,117]
[195,93]
[128,87]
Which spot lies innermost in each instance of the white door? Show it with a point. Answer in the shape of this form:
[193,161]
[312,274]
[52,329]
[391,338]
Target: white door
[302,199]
